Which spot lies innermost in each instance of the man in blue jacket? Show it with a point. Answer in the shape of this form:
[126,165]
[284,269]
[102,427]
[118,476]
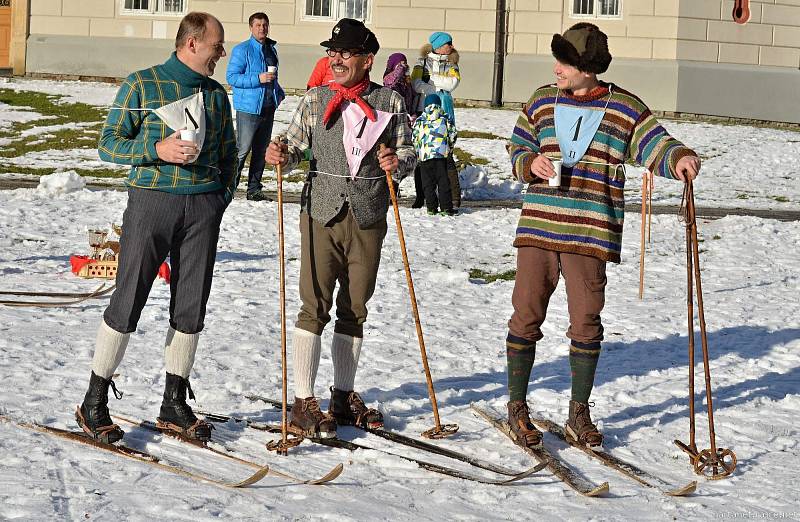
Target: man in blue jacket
[253,74]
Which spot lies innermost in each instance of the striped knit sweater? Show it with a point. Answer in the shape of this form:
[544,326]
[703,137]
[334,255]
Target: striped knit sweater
[585,214]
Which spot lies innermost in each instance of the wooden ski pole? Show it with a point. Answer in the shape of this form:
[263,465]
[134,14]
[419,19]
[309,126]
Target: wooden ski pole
[282,447]
[651,186]
[715,463]
[439,431]
[641,244]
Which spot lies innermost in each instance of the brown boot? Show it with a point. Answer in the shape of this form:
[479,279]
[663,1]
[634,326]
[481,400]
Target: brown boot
[309,421]
[580,429]
[349,410]
[525,433]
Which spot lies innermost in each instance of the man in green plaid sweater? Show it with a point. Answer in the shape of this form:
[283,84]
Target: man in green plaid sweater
[179,186]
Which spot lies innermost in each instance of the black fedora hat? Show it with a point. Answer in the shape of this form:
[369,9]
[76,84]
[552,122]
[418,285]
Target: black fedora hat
[352,34]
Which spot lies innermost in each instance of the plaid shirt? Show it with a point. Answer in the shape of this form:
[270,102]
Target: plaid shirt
[130,137]
[310,111]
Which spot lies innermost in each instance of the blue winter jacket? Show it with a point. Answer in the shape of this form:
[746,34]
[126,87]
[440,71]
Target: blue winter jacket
[244,66]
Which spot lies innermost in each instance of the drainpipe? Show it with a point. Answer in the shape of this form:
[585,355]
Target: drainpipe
[499,53]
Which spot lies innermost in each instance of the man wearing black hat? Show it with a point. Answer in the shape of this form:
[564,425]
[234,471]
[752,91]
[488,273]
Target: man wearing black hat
[343,218]
[570,144]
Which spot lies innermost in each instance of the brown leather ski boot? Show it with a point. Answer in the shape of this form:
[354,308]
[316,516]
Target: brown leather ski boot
[580,429]
[525,433]
[309,421]
[349,410]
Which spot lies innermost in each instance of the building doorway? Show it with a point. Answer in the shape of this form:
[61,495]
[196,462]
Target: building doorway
[5,33]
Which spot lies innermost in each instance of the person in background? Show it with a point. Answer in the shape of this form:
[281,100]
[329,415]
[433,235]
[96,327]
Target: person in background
[321,75]
[436,71]
[433,136]
[253,74]
[396,78]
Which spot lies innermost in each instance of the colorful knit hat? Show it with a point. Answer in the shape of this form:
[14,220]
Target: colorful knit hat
[439,38]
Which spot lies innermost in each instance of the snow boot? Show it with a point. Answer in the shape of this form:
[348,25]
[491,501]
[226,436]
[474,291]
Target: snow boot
[525,433]
[580,429]
[349,410]
[93,415]
[176,415]
[309,421]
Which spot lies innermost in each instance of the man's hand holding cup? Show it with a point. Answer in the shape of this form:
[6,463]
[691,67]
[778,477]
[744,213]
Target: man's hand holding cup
[179,148]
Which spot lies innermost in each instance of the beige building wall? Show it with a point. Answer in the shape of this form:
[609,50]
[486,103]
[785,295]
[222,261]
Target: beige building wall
[672,52]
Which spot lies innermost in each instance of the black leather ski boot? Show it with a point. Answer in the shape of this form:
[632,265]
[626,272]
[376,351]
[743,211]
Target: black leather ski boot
[176,415]
[348,409]
[93,415]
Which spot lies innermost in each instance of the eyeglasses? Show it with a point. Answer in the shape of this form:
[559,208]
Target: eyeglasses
[344,53]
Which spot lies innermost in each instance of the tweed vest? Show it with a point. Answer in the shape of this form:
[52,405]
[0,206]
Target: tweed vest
[326,191]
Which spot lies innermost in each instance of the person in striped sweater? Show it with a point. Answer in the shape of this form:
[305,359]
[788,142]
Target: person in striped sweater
[574,228]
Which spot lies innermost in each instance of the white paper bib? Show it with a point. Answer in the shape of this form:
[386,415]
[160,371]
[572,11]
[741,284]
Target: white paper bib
[360,134]
[576,128]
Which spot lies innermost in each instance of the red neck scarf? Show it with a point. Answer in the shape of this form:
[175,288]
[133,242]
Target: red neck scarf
[351,94]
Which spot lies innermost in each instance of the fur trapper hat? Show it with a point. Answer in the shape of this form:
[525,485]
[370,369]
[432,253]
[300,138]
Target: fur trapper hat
[583,46]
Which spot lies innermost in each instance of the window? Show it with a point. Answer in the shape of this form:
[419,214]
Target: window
[336,9]
[177,7]
[596,8]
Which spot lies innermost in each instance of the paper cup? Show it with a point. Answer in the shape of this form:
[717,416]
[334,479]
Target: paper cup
[189,135]
[555,181]
[272,69]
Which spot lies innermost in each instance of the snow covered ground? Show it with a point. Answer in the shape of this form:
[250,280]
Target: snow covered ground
[750,272]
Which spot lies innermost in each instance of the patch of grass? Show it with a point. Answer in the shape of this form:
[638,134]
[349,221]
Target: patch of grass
[47,105]
[742,196]
[467,158]
[781,199]
[716,236]
[477,273]
[479,134]
[63,139]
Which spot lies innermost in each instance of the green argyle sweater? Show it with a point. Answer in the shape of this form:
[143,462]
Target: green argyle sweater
[129,137]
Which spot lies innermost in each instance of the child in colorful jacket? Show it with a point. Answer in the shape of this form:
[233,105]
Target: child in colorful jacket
[434,135]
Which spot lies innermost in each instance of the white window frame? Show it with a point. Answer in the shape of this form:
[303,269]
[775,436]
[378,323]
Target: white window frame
[152,10]
[335,10]
[596,15]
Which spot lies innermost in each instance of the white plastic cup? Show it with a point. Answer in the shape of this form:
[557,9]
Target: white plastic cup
[189,135]
[272,69]
[555,181]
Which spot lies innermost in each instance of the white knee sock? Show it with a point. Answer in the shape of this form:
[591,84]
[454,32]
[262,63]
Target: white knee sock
[109,348]
[345,351]
[179,352]
[306,348]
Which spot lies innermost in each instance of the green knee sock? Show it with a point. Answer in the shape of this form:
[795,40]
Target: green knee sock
[583,363]
[519,355]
